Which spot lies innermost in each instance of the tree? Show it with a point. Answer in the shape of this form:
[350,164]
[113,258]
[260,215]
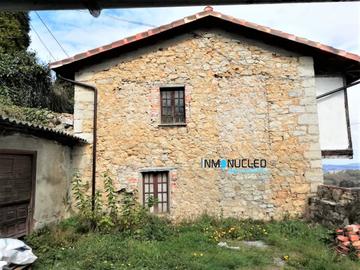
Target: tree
[62,97]
[14,34]
[23,80]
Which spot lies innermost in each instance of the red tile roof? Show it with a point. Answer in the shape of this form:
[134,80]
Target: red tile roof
[208,11]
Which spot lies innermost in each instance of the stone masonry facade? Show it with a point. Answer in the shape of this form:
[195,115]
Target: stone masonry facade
[243,99]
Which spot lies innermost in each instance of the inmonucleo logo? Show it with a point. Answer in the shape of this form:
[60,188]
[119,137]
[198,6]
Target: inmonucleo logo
[236,166]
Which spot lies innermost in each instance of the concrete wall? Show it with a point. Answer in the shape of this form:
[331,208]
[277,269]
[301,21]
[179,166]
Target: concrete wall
[53,175]
[244,99]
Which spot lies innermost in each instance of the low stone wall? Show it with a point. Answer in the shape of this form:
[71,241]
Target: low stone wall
[335,206]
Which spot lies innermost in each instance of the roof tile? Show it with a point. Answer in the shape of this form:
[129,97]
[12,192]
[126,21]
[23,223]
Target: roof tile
[40,131]
[208,11]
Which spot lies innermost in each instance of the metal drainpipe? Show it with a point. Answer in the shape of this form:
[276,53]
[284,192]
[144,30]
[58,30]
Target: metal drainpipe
[93,179]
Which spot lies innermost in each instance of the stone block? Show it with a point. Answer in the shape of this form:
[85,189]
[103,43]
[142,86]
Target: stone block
[84,96]
[296,109]
[306,66]
[308,119]
[78,126]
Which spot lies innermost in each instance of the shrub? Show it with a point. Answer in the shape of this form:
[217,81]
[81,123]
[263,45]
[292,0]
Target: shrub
[130,218]
[34,115]
[27,83]
[132,214]
[53,237]
[100,218]
[111,195]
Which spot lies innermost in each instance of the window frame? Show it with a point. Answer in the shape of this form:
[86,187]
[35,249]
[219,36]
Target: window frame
[172,89]
[155,175]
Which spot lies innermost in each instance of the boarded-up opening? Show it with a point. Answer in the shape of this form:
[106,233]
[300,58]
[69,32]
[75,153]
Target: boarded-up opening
[17,175]
[335,138]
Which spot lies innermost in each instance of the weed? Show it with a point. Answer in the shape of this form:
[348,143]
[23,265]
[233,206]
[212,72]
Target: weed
[151,242]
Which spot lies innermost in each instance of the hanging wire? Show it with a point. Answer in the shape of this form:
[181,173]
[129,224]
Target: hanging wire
[128,21]
[42,42]
[51,34]
[124,20]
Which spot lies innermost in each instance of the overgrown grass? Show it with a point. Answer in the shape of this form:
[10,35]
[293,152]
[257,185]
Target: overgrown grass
[190,245]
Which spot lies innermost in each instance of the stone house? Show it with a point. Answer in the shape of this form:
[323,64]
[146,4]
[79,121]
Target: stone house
[207,114]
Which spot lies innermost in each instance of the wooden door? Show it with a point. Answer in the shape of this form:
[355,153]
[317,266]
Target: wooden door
[16,192]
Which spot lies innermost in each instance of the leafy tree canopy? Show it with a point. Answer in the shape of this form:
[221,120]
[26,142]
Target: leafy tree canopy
[23,80]
[14,31]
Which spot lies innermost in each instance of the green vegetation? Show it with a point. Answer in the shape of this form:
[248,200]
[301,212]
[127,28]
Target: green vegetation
[25,82]
[159,245]
[347,178]
[129,237]
[14,34]
[34,115]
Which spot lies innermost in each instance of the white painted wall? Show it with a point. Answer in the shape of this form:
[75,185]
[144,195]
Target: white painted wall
[332,114]
[354,110]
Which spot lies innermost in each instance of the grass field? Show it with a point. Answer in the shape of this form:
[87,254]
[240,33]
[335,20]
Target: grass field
[292,244]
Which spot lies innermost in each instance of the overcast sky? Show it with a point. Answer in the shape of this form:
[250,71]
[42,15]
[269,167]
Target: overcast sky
[334,24]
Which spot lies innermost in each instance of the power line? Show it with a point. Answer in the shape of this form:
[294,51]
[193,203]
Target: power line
[51,33]
[42,42]
[124,20]
[128,21]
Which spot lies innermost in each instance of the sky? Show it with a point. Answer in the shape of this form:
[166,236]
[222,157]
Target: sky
[334,24]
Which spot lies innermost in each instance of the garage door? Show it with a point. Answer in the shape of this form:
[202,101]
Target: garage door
[16,191]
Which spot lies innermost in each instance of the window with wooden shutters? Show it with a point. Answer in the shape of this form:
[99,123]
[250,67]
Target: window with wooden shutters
[156,191]
[172,105]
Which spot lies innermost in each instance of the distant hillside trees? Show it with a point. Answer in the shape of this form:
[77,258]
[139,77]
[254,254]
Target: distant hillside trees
[23,80]
[348,178]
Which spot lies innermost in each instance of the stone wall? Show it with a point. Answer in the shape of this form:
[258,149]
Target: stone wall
[335,206]
[244,99]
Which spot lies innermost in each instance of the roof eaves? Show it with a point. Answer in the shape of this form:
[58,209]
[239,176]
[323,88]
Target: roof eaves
[127,40]
[207,12]
[41,131]
[288,36]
